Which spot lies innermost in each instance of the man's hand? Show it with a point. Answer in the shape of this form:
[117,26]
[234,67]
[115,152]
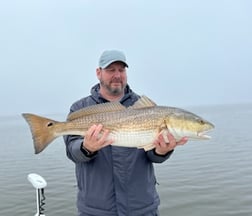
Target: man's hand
[163,147]
[96,138]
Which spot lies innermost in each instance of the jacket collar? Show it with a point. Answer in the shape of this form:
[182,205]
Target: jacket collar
[95,94]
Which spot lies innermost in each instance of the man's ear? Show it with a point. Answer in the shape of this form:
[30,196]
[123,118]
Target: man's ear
[98,73]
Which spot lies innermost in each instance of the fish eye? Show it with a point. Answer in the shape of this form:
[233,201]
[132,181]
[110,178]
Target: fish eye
[201,121]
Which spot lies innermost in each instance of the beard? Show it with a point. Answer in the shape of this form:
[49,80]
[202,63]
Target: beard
[113,90]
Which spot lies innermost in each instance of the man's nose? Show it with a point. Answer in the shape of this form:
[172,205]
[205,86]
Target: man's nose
[117,73]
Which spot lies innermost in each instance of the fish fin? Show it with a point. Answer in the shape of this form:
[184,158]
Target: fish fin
[41,129]
[164,133]
[143,102]
[95,109]
[147,147]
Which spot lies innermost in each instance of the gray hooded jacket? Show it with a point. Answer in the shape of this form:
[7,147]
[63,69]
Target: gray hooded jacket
[117,181]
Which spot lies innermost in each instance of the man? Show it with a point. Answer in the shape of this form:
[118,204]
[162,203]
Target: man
[114,181]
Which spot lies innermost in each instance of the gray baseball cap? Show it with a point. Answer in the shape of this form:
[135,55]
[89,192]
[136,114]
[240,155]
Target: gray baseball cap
[110,56]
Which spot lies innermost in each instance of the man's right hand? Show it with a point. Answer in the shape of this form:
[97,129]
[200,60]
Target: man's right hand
[96,138]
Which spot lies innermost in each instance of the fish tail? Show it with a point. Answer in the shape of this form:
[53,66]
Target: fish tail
[42,129]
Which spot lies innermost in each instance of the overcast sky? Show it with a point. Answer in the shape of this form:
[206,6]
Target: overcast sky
[180,53]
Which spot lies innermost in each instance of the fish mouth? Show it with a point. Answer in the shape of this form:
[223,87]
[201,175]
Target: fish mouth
[203,135]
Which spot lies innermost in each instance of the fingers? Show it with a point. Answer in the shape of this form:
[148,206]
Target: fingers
[93,132]
[166,142]
[96,138]
[104,139]
[182,141]
[97,131]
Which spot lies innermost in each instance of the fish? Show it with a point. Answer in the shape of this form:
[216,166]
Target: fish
[135,126]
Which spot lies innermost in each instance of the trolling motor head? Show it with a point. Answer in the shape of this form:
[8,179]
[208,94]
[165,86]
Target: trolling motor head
[39,183]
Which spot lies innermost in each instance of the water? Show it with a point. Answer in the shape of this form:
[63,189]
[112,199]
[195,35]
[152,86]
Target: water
[201,178]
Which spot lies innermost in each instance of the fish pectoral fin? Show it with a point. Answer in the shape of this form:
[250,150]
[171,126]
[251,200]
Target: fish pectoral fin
[147,147]
[164,133]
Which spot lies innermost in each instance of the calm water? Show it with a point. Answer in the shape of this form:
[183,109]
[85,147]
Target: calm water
[209,178]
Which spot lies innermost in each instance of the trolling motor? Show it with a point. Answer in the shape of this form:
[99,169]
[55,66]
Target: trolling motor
[39,183]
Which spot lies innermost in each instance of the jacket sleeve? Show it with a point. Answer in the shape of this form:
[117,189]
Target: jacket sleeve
[74,143]
[154,157]
[73,149]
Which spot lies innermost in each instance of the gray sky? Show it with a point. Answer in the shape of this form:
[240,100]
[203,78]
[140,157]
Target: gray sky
[180,52]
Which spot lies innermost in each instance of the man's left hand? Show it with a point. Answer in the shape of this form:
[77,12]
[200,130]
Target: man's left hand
[163,147]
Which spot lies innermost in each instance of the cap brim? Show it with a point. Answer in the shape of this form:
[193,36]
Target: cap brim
[112,61]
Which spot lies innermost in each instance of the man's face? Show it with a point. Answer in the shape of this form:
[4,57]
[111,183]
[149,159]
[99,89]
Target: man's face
[113,78]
